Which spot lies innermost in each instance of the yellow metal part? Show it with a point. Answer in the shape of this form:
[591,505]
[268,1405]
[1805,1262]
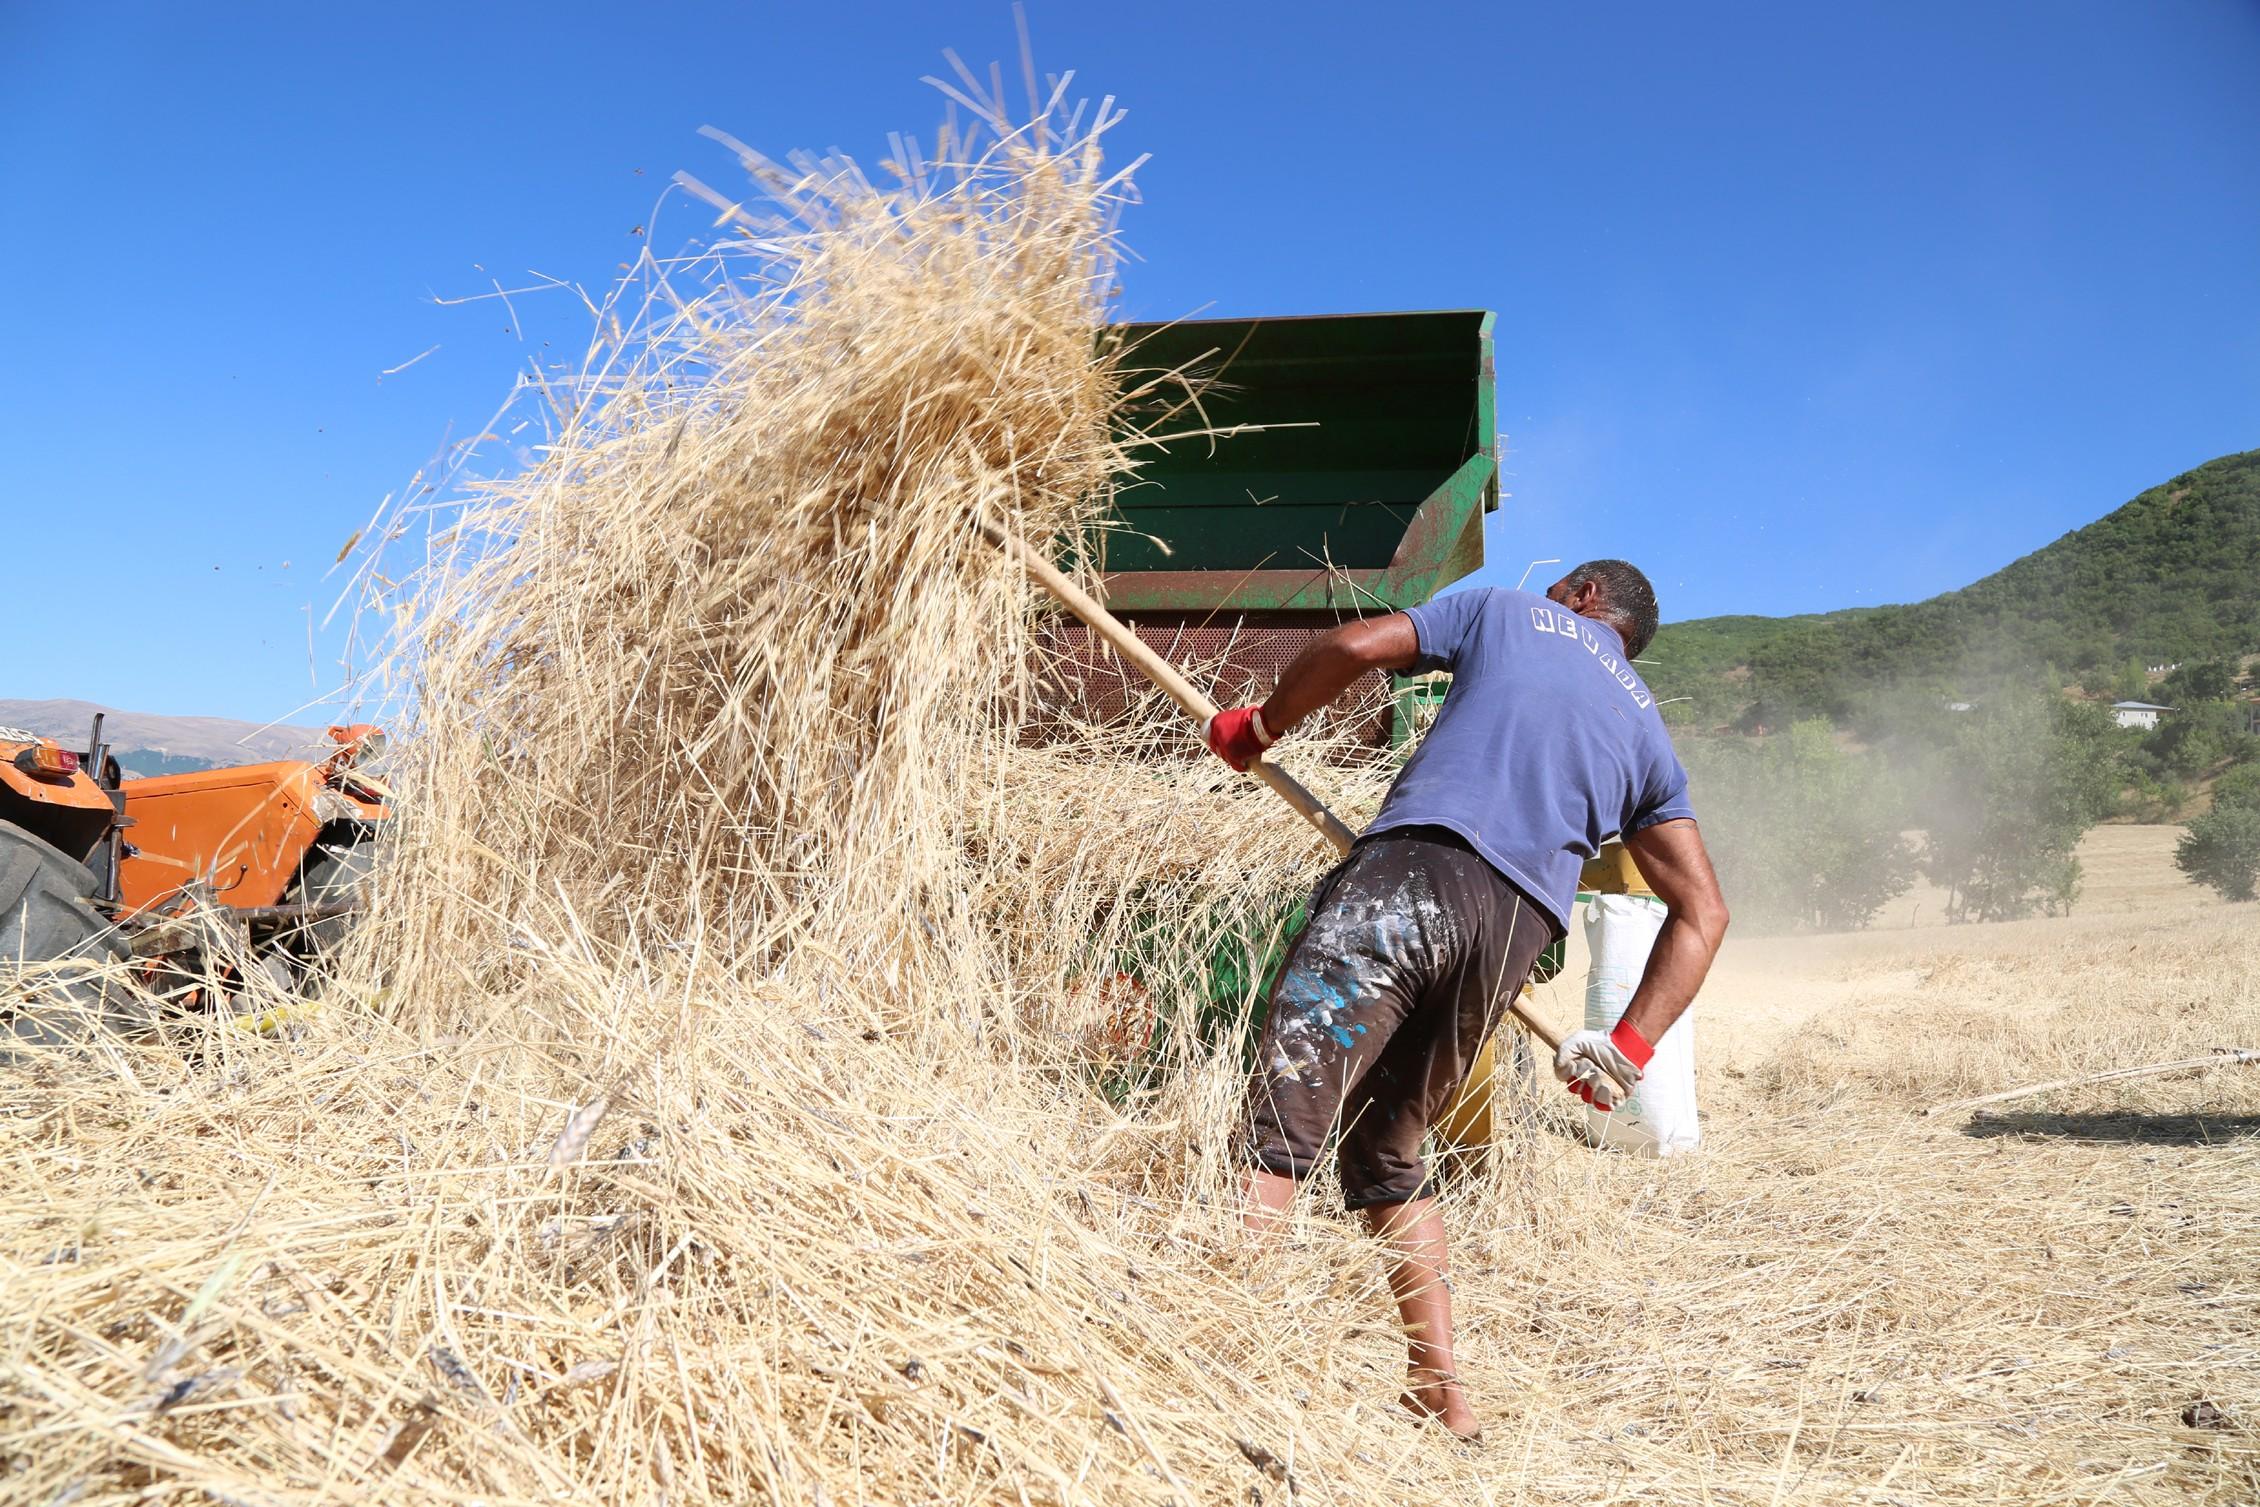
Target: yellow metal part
[1468,1124]
[74,789]
[277,1017]
[1612,872]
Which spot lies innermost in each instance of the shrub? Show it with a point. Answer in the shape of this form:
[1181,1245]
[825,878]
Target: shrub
[2132,683]
[2223,850]
[2207,680]
[2239,787]
[2192,741]
[2150,799]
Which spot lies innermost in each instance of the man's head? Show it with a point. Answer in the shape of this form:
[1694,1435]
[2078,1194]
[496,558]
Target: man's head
[1612,592]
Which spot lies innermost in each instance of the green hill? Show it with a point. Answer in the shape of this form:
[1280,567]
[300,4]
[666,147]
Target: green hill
[2173,575]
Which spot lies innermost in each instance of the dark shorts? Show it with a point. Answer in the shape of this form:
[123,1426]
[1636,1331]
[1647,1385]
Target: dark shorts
[1414,948]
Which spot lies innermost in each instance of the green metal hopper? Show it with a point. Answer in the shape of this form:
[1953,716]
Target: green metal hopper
[1330,467]
[1357,457]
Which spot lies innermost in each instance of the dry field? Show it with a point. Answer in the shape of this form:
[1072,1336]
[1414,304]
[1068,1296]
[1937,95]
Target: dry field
[2125,869]
[340,1270]
[2050,1299]
[703,1113]
[2129,886]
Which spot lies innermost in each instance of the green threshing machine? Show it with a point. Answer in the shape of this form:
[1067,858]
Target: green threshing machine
[1332,467]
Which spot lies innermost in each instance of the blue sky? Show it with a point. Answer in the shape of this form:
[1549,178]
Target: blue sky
[1801,306]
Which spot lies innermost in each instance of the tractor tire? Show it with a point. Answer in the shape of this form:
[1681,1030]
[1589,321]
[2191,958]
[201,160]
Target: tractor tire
[332,871]
[46,917]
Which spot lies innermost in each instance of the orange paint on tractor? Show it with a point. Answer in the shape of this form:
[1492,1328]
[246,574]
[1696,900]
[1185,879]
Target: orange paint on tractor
[246,830]
[45,773]
[47,793]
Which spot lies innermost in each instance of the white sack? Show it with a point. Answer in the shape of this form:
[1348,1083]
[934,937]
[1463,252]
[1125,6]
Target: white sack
[1659,1119]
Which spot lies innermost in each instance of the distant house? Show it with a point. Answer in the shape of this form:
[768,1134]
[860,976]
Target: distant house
[2137,714]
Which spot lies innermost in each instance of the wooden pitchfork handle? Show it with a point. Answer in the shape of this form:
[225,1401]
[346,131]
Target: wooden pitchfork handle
[1198,707]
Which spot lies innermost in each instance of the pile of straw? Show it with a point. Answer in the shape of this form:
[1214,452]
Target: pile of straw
[706,1113]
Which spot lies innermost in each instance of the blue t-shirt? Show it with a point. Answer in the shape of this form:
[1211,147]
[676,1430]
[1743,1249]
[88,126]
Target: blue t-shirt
[1547,745]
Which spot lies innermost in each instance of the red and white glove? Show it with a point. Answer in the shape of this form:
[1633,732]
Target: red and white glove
[1238,736]
[1600,1069]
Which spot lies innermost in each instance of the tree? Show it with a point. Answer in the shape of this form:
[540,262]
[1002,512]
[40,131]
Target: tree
[1805,834]
[2013,786]
[2223,850]
[2188,684]
[2193,740]
[2134,682]
[2239,787]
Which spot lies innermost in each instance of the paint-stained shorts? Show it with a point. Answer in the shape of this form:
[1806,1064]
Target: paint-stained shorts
[1413,949]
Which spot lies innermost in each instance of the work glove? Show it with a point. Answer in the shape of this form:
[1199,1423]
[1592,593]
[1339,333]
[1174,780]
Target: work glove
[1600,1069]
[1237,736]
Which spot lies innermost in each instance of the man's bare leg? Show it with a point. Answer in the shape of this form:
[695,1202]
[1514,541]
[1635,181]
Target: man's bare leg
[1264,1199]
[1419,1274]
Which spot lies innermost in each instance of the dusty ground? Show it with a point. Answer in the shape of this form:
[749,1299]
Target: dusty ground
[1837,1301]
[1764,987]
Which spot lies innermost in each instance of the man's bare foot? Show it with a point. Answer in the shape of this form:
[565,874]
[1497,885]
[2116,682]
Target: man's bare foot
[1435,1396]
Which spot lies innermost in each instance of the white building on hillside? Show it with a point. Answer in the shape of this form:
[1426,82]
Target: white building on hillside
[2137,714]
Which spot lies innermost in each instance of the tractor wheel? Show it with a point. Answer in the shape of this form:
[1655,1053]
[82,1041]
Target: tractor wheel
[46,918]
[332,871]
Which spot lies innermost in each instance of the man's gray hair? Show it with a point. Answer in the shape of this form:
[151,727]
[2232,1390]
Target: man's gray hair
[1628,602]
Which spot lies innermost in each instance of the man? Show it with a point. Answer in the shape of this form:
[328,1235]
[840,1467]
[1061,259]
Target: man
[1547,744]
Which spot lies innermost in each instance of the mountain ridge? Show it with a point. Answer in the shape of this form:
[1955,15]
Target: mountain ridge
[169,744]
[2172,574]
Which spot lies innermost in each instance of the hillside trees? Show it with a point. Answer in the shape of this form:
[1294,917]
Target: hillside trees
[2203,680]
[2132,682]
[2239,787]
[2190,742]
[2168,576]
[2206,730]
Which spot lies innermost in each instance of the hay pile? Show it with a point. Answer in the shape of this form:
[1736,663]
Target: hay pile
[707,1113]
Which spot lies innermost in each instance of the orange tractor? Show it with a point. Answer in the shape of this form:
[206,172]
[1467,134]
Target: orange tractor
[184,879]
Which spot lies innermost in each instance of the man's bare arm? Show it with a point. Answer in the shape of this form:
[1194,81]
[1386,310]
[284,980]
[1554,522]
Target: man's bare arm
[1330,662]
[1678,868]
